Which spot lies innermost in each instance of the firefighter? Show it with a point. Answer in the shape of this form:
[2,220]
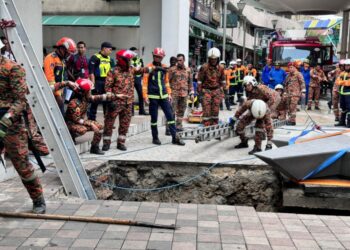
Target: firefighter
[211,82]
[295,89]
[55,66]
[120,82]
[232,82]
[157,92]
[281,109]
[334,103]
[76,111]
[226,88]
[250,71]
[257,110]
[317,77]
[240,71]
[180,79]
[254,90]
[13,133]
[137,62]
[343,81]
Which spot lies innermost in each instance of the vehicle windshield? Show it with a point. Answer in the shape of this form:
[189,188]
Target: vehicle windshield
[300,53]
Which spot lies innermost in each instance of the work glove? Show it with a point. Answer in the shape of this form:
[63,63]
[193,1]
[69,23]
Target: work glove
[232,122]
[5,123]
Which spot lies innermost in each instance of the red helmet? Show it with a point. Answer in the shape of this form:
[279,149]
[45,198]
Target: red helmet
[123,58]
[67,43]
[84,84]
[159,52]
[294,64]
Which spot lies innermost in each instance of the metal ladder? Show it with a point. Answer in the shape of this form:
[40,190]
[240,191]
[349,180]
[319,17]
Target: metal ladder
[217,131]
[45,109]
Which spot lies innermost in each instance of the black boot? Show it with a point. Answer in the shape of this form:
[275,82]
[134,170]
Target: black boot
[255,150]
[348,120]
[317,108]
[105,147]
[96,150]
[178,141]
[167,131]
[243,144]
[268,147]
[121,147]
[156,141]
[39,205]
[341,122]
[289,123]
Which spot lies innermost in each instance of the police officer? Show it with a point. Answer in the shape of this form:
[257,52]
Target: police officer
[157,92]
[211,82]
[99,66]
[13,133]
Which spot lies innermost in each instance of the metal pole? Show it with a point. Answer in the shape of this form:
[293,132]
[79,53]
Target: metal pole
[244,31]
[344,36]
[254,57]
[348,13]
[224,37]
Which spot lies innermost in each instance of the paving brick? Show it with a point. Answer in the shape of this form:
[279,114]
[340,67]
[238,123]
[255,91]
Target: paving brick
[43,233]
[167,210]
[96,227]
[206,217]
[283,248]
[187,230]
[186,223]
[187,217]
[214,238]
[254,233]
[185,237]
[324,236]
[12,242]
[281,242]
[187,211]
[300,243]
[138,236]
[300,235]
[61,242]
[72,225]
[90,234]
[6,231]
[163,216]
[208,230]
[208,246]
[161,237]
[129,244]
[233,247]
[330,244]
[255,240]
[20,233]
[258,247]
[85,243]
[68,233]
[114,235]
[159,245]
[36,242]
[51,225]
[211,224]
[128,209]
[232,239]
[110,244]
[184,246]
[117,228]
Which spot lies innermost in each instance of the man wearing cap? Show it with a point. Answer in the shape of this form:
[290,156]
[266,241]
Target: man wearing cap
[295,88]
[305,71]
[276,75]
[99,66]
[317,76]
[265,78]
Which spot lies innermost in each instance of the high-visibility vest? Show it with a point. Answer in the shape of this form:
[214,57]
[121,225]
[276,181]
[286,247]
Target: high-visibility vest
[105,64]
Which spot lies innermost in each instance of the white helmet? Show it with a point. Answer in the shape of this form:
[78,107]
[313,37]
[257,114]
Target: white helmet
[279,86]
[347,62]
[250,80]
[214,53]
[258,109]
[239,60]
[233,63]
[222,62]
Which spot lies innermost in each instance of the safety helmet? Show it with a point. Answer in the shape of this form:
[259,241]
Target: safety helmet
[239,60]
[279,86]
[222,62]
[84,84]
[123,57]
[342,62]
[277,63]
[294,64]
[214,53]
[159,52]
[67,43]
[233,63]
[250,80]
[347,62]
[258,109]
[306,61]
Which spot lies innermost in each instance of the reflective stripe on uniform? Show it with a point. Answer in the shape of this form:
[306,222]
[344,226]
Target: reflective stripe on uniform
[260,130]
[171,122]
[341,91]
[154,123]
[122,137]
[107,138]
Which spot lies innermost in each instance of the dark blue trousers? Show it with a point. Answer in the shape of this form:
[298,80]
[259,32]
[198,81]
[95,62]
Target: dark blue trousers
[153,110]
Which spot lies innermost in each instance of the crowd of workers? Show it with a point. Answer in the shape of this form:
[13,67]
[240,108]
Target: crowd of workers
[84,83]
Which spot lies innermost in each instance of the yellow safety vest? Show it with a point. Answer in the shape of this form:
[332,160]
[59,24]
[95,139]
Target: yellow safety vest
[105,64]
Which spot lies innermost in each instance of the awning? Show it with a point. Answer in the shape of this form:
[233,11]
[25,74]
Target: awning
[208,29]
[133,21]
[321,24]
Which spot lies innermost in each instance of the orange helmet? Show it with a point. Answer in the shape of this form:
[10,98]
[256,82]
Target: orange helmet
[159,52]
[67,43]
[84,84]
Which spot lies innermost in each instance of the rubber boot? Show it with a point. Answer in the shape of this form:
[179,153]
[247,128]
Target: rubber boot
[268,147]
[156,141]
[96,150]
[243,144]
[121,147]
[105,147]
[167,131]
[39,205]
[341,120]
[255,150]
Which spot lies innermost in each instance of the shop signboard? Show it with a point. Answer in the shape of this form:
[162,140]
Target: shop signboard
[232,20]
[215,17]
[201,13]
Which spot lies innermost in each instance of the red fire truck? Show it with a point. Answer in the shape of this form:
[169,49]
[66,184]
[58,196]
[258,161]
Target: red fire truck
[287,50]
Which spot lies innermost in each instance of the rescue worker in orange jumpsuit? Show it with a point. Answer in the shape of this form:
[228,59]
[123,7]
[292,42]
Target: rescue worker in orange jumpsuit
[343,81]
